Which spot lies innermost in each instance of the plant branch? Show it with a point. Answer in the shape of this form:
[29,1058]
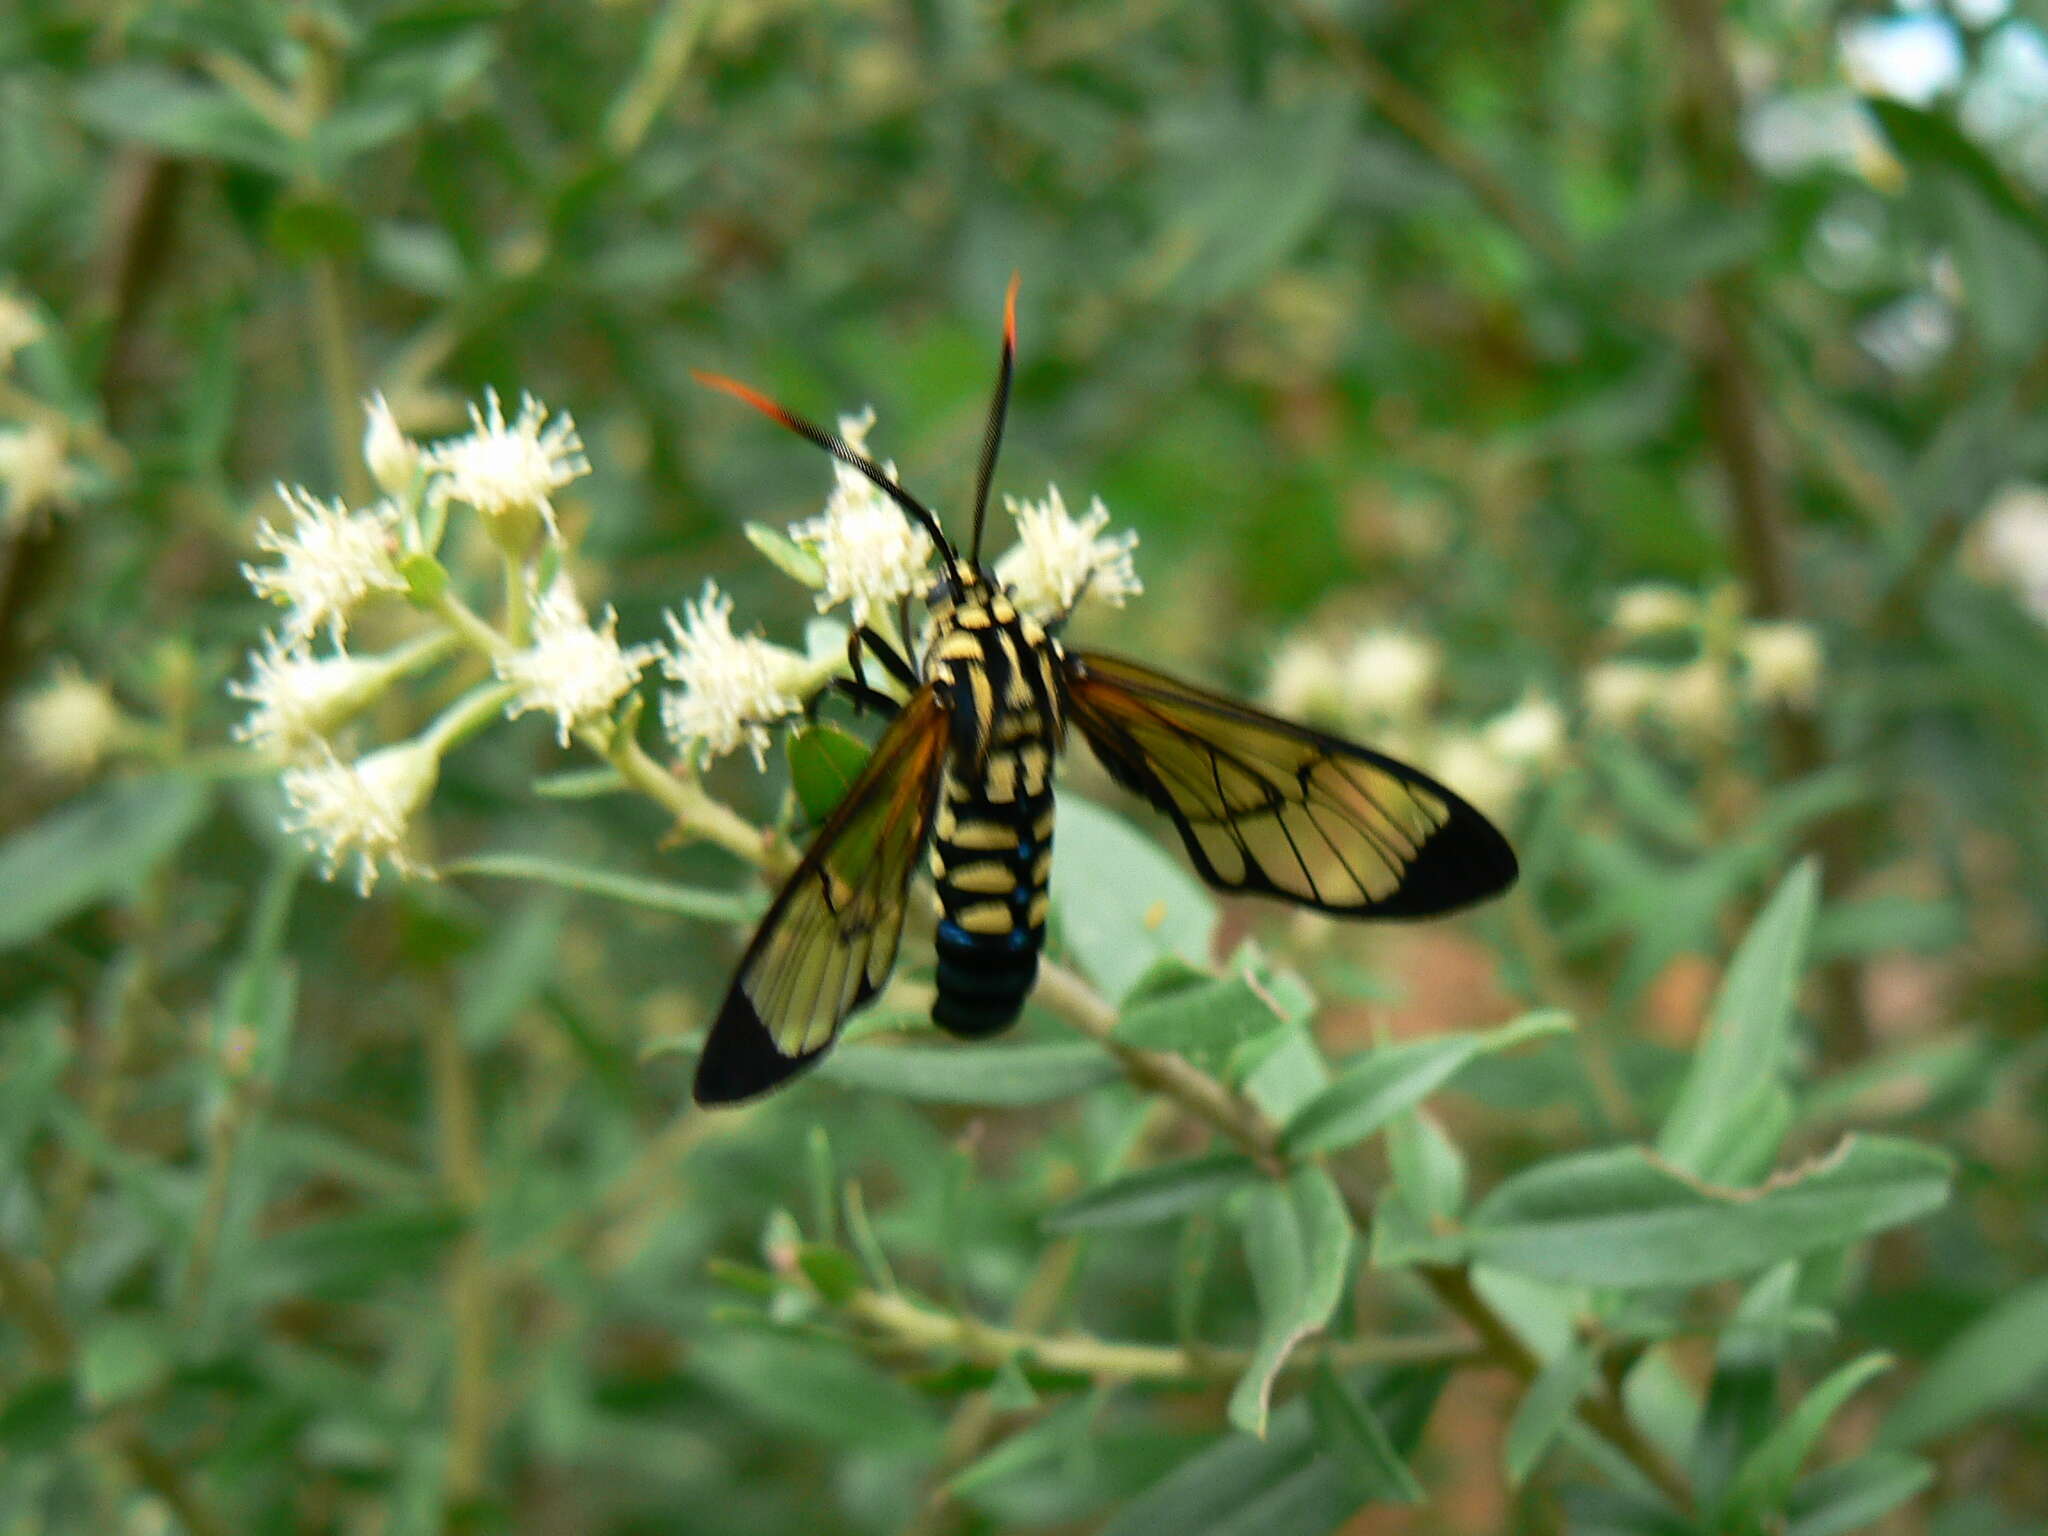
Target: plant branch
[903,1321]
[1243,1122]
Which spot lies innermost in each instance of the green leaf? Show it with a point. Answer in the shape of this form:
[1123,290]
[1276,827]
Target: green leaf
[581,784]
[1297,1240]
[40,1415]
[95,849]
[1121,901]
[1388,1079]
[1004,1075]
[1742,1398]
[636,890]
[347,1256]
[511,972]
[1545,1409]
[823,763]
[1735,1078]
[831,1269]
[1207,1019]
[1351,1435]
[1766,1477]
[1249,189]
[786,555]
[151,105]
[1855,1495]
[1011,1391]
[34,1052]
[2000,1356]
[121,1357]
[1154,1194]
[1621,1218]
[1241,1486]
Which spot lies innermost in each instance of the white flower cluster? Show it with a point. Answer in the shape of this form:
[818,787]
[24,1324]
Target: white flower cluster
[1382,687]
[66,727]
[734,687]
[37,476]
[327,561]
[871,553]
[20,326]
[2010,546]
[1057,556]
[573,670]
[1774,664]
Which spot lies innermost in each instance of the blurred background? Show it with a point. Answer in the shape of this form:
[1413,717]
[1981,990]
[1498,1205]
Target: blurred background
[1632,409]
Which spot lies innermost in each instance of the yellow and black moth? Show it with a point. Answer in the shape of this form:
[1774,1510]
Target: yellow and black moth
[965,768]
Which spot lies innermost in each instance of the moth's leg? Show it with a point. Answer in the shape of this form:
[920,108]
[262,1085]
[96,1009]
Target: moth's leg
[863,696]
[892,660]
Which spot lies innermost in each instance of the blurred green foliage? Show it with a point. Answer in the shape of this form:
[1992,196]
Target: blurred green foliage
[330,1214]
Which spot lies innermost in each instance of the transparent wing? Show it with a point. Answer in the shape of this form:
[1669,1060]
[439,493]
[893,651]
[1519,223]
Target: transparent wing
[829,941]
[1276,809]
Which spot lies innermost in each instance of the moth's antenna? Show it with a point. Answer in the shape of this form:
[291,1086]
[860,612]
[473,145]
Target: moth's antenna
[914,509]
[992,437]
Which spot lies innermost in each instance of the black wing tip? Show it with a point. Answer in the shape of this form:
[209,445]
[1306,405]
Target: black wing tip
[1466,862]
[740,1061]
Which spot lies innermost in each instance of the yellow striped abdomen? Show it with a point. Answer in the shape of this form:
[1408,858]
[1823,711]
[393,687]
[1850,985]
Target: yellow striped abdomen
[991,859]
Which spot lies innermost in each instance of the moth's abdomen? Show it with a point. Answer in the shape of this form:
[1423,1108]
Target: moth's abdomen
[991,859]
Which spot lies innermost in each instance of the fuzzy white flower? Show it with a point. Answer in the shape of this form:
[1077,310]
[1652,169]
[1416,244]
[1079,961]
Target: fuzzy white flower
[1696,700]
[871,552]
[734,686]
[504,467]
[362,809]
[573,669]
[1652,609]
[63,729]
[20,326]
[2011,545]
[1783,662]
[35,472]
[1620,693]
[297,698]
[1305,679]
[1531,735]
[1471,766]
[394,459]
[329,561]
[1389,674]
[1058,556]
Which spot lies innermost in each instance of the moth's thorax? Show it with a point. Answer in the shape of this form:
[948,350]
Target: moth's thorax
[1000,668]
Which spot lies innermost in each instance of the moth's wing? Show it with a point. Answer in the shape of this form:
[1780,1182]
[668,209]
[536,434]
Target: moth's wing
[829,941]
[1276,809]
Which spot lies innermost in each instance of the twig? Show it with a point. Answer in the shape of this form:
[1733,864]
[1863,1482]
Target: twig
[909,1323]
[1212,1101]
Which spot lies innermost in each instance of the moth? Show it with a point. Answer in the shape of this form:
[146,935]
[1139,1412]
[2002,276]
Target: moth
[965,768]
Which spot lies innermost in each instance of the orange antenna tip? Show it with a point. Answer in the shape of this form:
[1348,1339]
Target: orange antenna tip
[1010,311]
[739,391]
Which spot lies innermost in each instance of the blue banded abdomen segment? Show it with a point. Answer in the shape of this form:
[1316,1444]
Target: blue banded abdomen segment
[991,860]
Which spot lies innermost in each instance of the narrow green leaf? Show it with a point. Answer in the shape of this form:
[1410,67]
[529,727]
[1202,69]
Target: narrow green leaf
[823,763]
[1854,1496]
[511,971]
[40,1415]
[1737,1068]
[580,784]
[35,1050]
[832,1270]
[94,849]
[1242,1486]
[1005,1075]
[1621,1218]
[1059,1433]
[1011,1391]
[1995,1360]
[1383,1082]
[1760,1488]
[1297,1240]
[1351,1435]
[1742,1398]
[1545,1409]
[1208,1019]
[1121,901]
[636,890]
[121,1357]
[786,555]
[1154,1195]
